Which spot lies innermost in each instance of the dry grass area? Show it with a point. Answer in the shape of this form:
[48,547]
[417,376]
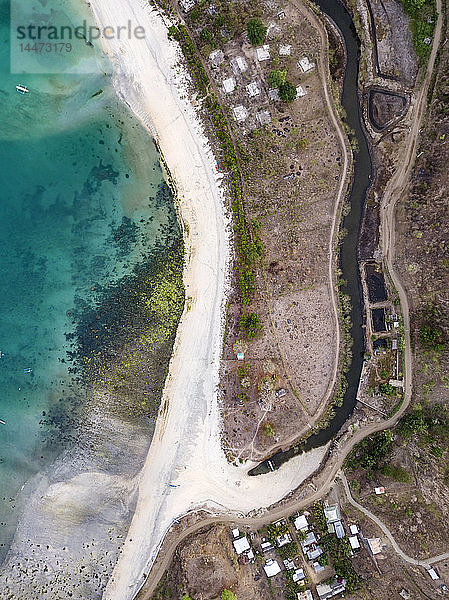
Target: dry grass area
[205,565]
[292,169]
[422,247]
[384,576]
[414,508]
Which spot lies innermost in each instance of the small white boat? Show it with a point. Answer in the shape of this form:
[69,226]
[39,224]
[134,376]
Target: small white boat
[2,422]
[22,89]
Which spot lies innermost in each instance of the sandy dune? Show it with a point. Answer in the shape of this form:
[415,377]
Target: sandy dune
[186,449]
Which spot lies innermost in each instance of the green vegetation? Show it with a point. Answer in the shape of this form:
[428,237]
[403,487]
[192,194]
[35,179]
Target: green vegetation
[422,15]
[251,325]
[387,389]
[323,560]
[186,597]
[290,550]
[429,423]
[370,452]
[287,92]
[339,550]
[433,334]
[256,31]
[397,473]
[228,595]
[268,430]
[273,531]
[248,245]
[292,588]
[276,78]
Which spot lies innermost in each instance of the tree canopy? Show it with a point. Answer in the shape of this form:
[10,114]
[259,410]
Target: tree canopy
[276,78]
[287,92]
[256,31]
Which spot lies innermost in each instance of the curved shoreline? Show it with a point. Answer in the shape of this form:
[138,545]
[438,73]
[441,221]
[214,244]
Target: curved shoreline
[186,468]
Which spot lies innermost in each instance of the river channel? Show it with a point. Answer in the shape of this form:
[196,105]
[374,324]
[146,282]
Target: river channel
[348,248]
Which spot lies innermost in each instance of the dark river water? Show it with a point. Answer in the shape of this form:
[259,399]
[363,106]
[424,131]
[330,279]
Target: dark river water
[348,249]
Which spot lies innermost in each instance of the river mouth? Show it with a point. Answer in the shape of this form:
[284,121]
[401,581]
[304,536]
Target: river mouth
[361,181]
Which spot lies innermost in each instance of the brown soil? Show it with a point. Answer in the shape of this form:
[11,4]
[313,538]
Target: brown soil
[422,244]
[292,168]
[412,511]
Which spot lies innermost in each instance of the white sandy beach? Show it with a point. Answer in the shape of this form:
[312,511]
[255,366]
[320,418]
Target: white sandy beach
[186,449]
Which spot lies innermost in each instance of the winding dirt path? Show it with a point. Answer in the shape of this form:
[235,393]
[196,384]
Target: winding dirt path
[413,561]
[324,481]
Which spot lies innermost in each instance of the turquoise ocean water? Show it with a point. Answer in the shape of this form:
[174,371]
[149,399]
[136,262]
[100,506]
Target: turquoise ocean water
[77,172]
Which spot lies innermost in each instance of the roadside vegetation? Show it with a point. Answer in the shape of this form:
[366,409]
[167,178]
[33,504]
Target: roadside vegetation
[338,551]
[256,31]
[422,15]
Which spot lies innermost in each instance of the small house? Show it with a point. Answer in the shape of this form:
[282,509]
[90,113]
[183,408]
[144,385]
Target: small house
[285,50]
[433,574]
[353,529]
[264,118]
[332,514]
[216,57]
[238,65]
[374,545]
[241,545]
[283,540]
[339,530]
[300,91]
[305,64]
[271,568]
[263,53]
[298,575]
[252,89]
[229,85]
[354,542]
[305,595]
[300,523]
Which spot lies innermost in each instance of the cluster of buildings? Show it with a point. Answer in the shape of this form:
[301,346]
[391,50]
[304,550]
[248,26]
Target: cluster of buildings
[237,77]
[309,541]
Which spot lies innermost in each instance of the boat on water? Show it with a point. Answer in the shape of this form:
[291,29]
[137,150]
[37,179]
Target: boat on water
[22,89]
[2,422]
[28,370]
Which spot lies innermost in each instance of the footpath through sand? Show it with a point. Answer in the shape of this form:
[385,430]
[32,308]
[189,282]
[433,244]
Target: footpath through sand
[186,448]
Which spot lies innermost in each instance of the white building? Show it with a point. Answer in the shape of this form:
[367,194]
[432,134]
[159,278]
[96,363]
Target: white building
[263,53]
[305,64]
[305,595]
[283,540]
[300,523]
[238,65]
[298,575]
[263,117]
[300,91]
[375,545]
[235,533]
[240,114]
[252,89]
[229,85]
[433,574]
[241,545]
[285,50]
[353,529]
[271,568]
[354,542]
[339,529]
[273,95]
[216,57]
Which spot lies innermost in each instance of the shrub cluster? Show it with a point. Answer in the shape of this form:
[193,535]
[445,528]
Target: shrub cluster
[249,247]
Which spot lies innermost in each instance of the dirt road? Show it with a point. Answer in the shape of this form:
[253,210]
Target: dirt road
[323,482]
[413,561]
